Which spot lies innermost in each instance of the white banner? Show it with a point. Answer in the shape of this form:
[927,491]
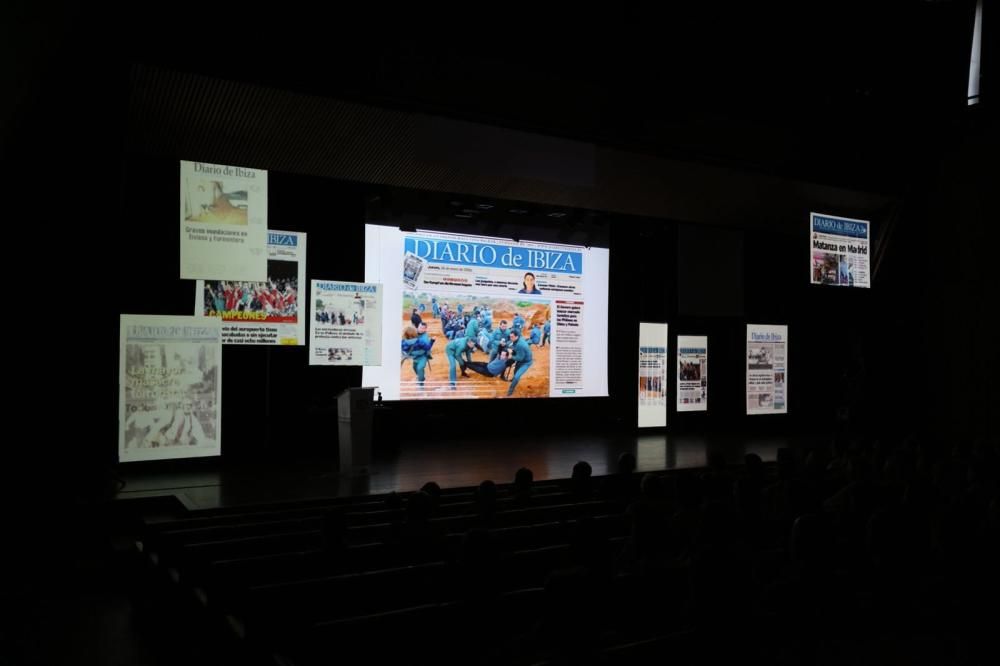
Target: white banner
[223,222]
[262,313]
[692,373]
[767,369]
[169,387]
[838,248]
[346,323]
[653,342]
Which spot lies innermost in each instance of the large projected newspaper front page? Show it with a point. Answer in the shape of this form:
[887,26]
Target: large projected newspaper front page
[477,317]
[839,251]
[169,387]
[767,369]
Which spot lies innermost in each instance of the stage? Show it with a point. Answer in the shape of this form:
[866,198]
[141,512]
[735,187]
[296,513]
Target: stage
[218,482]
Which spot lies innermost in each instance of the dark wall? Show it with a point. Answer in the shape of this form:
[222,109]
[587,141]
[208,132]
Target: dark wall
[959,366]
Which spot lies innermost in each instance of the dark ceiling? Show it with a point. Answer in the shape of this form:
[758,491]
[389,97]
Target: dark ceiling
[857,95]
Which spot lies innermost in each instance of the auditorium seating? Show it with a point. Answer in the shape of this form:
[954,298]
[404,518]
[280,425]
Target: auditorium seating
[278,582]
[699,566]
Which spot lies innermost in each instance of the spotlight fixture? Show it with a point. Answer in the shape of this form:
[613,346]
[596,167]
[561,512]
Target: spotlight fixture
[557,215]
[484,206]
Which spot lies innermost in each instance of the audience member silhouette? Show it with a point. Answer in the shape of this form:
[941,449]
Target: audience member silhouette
[581,483]
[419,538]
[624,484]
[486,502]
[716,481]
[433,491]
[647,546]
[521,491]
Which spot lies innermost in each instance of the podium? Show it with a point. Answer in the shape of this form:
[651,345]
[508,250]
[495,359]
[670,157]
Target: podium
[354,428]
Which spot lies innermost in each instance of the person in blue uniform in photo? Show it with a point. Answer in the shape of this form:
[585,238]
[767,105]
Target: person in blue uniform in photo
[522,360]
[534,335]
[483,341]
[499,340]
[435,308]
[419,350]
[518,323]
[471,333]
[546,333]
[454,351]
[446,318]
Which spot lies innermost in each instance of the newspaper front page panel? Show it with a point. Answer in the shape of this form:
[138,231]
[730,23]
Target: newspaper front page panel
[692,373]
[839,251]
[346,323]
[538,307]
[169,387]
[767,369]
[653,342]
[262,313]
[223,222]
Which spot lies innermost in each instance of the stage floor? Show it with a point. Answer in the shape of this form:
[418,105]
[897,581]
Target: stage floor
[214,483]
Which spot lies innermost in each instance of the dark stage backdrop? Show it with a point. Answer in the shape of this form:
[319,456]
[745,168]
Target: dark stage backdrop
[702,279]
